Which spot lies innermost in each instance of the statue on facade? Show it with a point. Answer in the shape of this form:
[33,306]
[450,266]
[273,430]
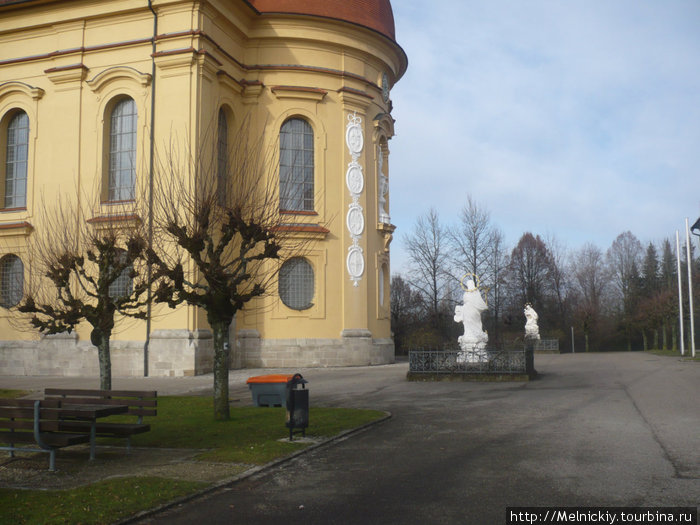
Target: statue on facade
[383,188]
[473,343]
[532,331]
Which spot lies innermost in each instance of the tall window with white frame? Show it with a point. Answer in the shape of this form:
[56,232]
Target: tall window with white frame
[122,151]
[222,156]
[123,285]
[16,155]
[11,280]
[296,166]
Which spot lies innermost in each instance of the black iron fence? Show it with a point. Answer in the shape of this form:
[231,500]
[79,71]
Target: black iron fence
[546,345]
[478,362]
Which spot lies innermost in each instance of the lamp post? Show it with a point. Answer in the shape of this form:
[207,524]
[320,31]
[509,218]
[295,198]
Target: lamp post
[690,282]
[680,290]
[693,228]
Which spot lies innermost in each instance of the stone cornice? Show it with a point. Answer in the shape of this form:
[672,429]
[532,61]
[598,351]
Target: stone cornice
[299,92]
[22,228]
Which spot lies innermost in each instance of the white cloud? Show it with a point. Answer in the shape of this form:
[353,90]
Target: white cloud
[579,118]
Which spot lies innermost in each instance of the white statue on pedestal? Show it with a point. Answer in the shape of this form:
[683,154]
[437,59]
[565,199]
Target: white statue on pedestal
[532,331]
[473,342]
[383,188]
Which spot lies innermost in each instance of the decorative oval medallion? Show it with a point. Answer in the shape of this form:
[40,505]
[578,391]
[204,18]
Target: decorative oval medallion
[354,179]
[355,221]
[354,139]
[355,263]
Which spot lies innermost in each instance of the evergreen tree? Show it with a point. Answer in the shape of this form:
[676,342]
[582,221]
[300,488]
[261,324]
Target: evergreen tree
[650,272]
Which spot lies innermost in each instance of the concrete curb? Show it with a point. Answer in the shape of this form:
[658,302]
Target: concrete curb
[253,471]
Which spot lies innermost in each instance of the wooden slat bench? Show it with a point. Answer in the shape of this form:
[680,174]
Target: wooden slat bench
[28,421]
[140,402]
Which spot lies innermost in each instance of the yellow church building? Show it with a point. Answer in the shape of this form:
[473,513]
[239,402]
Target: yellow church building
[90,89]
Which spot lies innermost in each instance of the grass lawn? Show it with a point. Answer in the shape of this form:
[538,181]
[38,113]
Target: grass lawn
[104,502]
[249,437]
[12,393]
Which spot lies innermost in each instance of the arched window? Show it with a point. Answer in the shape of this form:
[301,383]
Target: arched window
[296,283]
[381,284]
[222,156]
[122,151]
[296,166]
[11,281]
[16,154]
[123,285]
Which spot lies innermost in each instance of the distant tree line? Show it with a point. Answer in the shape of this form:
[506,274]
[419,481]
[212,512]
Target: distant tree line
[621,298]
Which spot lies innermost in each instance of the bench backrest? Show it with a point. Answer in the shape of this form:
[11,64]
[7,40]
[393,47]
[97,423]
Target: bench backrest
[141,402]
[18,414]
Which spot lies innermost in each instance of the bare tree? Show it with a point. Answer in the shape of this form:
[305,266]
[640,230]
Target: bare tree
[624,258]
[471,240]
[530,271]
[406,305]
[86,267]
[592,278]
[560,279]
[498,265]
[427,251]
[222,233]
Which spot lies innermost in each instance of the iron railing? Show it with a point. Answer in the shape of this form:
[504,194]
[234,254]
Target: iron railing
[547,345]
[459,362]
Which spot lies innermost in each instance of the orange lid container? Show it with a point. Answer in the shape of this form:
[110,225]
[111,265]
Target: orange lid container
[272,378]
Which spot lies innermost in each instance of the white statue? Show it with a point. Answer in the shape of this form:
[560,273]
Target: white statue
[473,342]
[383,187]
[532,331]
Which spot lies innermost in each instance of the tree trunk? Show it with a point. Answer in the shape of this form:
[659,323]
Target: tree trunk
[644,339]
[664,335]
[221,368]
[585,335]
[105,363]
[674,337]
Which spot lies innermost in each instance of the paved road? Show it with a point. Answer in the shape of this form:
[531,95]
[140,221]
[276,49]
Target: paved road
[602,429]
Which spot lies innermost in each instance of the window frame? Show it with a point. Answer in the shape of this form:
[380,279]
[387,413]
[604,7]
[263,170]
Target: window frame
[19,201]
[284,289]
[123,283]
[114,189]
[303,191]
[222,155]
[6,289]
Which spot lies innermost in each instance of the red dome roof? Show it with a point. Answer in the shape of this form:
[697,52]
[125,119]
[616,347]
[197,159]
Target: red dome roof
[375,14]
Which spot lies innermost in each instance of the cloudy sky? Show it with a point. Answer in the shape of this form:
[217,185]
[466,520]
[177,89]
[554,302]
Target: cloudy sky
[573,118]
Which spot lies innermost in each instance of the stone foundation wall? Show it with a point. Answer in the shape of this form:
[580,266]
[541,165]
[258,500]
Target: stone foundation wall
[353,348]
[180,353]
[174,353]
[171,353]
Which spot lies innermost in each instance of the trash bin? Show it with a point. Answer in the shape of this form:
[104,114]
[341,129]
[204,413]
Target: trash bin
[269,390]
[297,405]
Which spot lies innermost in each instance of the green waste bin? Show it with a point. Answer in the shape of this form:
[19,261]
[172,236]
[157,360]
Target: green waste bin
[269,390]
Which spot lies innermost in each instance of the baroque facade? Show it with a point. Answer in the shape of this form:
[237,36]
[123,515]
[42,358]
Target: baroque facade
[89,90]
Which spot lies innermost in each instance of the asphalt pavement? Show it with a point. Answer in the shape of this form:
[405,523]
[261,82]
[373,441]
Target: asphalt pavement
[614,429]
